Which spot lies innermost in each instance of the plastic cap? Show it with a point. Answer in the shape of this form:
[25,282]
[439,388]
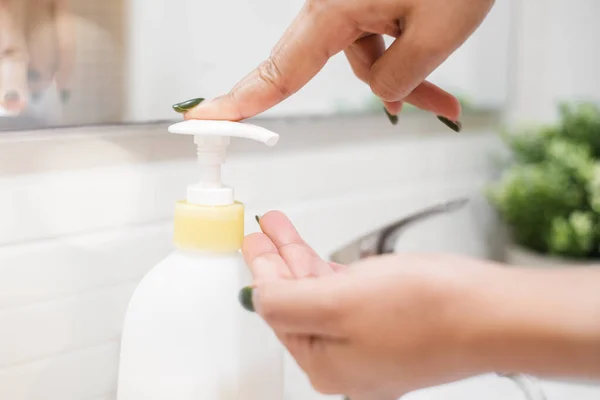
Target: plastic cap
[212,139]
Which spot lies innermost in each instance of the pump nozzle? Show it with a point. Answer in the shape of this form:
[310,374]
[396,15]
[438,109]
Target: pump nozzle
[212,139]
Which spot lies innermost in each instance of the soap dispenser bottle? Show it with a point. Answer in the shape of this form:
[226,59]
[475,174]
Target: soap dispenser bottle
[185,335]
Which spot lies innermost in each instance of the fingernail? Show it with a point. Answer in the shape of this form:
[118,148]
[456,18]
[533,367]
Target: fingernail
[187,105]
[33,75]
[456,126]
[257,218]
[12,96]
[65,95]
[245,298]
[393,118]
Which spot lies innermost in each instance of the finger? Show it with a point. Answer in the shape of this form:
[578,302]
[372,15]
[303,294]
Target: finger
[65,40]
[302,306]
[302,260]
[430,97]
[263,259]
[393,78]
[361,55]
[364,52]
[317,33]
[418,51]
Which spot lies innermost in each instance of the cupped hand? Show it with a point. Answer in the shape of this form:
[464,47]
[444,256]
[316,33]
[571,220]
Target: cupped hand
[426,32]
[375,330]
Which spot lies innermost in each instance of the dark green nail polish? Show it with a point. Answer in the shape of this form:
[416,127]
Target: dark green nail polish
[65,95]
[393,118]
[245,298]
[187,105]
[257,218]
[456,126]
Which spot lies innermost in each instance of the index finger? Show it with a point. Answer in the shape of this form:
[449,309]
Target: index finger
[301,259]
[263,259]
[314,36]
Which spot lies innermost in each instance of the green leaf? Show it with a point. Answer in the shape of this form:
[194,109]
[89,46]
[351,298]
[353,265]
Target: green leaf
[529,144]
[574,158]
[530,196]
[550,194]
[593,188]
[573,236]
[580,122]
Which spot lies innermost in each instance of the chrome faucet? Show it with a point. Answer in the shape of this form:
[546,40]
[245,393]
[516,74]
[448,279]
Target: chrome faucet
[383,240]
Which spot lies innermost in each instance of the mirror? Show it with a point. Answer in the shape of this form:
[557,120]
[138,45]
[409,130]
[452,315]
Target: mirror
[81,62]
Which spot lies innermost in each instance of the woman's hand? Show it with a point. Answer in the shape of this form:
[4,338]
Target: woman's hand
[426,32]
[390,325]
[376,330]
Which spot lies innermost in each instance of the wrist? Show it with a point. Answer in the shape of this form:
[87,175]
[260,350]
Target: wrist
[539,322]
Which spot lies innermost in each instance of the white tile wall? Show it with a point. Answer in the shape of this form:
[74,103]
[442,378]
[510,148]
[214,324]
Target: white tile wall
[77,264]
[74,244]
[540,55]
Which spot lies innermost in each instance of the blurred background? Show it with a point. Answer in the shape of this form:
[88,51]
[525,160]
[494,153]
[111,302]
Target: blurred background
[89,174]
[72,62]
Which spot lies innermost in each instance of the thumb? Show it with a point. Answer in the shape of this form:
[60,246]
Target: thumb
[311,306]
[421,49]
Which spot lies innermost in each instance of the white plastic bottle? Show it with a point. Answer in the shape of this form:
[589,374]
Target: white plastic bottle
[186,336]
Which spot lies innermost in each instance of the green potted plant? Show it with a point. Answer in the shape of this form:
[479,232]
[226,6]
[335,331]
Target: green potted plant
[549,196]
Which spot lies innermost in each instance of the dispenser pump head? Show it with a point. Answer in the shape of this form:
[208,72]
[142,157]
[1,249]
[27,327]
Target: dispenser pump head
[212,139]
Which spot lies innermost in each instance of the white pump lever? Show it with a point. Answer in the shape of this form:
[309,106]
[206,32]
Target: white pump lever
[212,139]
[225,128]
